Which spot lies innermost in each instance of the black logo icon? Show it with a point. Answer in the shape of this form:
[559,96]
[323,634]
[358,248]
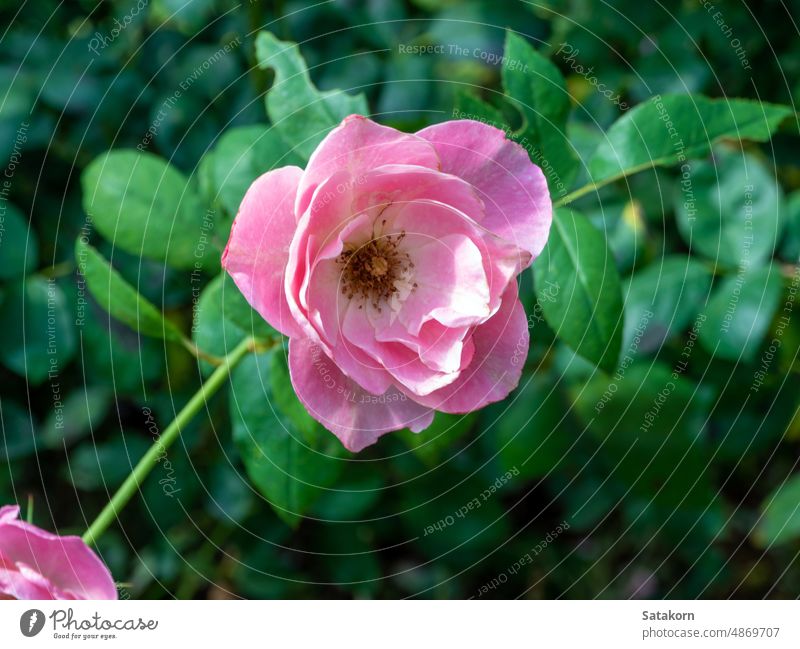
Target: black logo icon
[31,622]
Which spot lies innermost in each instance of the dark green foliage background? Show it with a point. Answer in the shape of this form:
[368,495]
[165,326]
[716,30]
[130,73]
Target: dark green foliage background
[704,503]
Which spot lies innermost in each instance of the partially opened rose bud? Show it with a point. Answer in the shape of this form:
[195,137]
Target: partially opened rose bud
[35,564]
[391,264]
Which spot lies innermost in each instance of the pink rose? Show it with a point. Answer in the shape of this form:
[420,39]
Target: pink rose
[35,564]
[391,264]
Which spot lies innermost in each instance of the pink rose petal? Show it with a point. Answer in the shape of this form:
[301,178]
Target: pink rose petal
[358,145]
[513,189]
[37,564]
[501,347]
[355,416]
[258,248]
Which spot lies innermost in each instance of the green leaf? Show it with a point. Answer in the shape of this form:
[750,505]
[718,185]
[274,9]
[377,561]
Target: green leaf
[469,106]
[38,336]
[148,208]
[223,318]
[212,331]
[671,129]
[288,456]
[780,515]
[119,298]
[19,245]
[242,155]
[302,114]
[661,300]
[117,356]
[536,87]
[237,310]
[740,312]
[578,288]
[730,209]
[628,236]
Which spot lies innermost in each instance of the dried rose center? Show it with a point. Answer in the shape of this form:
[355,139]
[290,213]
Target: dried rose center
[375,270]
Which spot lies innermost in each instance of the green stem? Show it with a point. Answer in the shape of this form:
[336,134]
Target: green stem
[593,187]
[170,434]
[199,354]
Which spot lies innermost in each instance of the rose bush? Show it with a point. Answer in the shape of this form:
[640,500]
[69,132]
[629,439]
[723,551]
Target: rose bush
[35,564]
[390,262]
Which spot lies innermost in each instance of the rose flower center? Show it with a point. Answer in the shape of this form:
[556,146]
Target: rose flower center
[375,270]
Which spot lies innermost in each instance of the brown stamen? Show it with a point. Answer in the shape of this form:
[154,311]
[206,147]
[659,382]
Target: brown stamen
[373,270]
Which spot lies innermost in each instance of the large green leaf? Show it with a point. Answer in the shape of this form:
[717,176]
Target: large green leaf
[730,209]
[537,89]
[578,288]
[671,129]
[119,298]
[780,515]
[211,330]
[740,312]
[148,208]
[242,155]
[302,114]
[38,336]
[289,457]
[661,300]
[223,318]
